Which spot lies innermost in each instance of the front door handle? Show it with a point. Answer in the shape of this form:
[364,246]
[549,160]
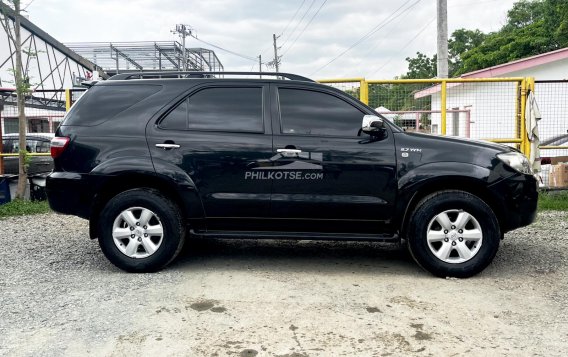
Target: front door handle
[168,146]
[289,152]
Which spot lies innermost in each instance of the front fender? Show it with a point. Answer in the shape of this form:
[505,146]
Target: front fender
[417,182]
[414,177]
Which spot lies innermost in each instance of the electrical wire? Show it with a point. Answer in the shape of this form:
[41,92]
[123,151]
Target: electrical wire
[226,50]
[404,47]
[305,27]
[298,23]
[28,5]
[293,17]
[374,30]
[394,28]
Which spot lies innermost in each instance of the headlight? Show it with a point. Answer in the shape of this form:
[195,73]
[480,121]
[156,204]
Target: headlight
[517,161]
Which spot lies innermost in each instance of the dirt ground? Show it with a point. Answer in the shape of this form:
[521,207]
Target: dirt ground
[59,296]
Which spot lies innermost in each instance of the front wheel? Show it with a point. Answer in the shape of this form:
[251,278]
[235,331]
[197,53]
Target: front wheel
[140,230]
[453,234]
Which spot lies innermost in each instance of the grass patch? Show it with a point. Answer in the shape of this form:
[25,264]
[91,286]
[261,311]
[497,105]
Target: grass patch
[22,208]
[553,201]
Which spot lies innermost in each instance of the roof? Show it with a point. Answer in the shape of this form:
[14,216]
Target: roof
[519,65]
[505,68]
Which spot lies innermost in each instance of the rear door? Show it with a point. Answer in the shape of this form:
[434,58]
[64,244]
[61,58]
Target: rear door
[215,134]
[326,177]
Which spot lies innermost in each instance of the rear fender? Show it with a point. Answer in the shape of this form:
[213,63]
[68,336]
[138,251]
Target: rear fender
[127,173]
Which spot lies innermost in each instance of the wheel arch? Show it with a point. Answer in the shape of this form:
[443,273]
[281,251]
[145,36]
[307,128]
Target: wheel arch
[474,186]
[184,196]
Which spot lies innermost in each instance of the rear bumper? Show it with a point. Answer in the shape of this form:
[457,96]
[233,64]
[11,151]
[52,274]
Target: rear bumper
[519,198]
[70,193]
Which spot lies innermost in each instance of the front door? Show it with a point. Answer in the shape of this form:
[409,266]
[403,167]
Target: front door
[217,133]
[331,178]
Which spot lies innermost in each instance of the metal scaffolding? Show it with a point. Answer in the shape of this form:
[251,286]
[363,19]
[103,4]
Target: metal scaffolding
[123,57]
[47,64]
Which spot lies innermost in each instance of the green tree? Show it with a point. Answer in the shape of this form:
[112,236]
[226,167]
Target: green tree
[421,66]
[461,41]
[524,13]
[532,27]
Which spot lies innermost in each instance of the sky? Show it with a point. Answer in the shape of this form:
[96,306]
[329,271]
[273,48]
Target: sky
[345,38]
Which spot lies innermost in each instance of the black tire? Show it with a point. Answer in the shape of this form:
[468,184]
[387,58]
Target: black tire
[451,200]
[168,215]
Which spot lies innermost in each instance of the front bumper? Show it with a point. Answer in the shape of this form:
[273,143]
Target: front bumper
[518,196]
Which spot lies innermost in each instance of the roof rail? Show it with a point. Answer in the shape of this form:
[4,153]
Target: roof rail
[198,74]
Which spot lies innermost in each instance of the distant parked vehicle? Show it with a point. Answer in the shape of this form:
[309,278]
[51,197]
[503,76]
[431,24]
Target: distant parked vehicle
[35,143]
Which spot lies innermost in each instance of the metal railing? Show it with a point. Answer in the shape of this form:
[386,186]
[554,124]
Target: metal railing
[490,109]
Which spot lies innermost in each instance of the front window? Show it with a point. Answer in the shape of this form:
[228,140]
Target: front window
[306,112]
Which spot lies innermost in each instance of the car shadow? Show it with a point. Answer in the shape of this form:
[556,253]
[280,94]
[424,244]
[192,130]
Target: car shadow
[292,255]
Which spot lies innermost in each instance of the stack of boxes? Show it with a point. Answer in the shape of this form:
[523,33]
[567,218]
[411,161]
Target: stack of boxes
[558,175]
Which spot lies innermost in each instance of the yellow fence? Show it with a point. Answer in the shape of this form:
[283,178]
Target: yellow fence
[481,108]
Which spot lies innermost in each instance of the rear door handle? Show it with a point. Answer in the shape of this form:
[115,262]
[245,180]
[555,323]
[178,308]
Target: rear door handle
[168,146]
[289,152]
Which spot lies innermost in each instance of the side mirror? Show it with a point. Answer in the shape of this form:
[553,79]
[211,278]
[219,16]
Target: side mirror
[372,125]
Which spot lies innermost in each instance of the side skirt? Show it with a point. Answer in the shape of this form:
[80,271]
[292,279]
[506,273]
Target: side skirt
[295,235]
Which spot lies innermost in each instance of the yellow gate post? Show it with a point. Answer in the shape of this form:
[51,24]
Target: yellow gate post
[67,99]
[443,106]
[524,137]
[364,91]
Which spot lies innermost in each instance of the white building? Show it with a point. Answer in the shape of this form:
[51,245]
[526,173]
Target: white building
[488,110]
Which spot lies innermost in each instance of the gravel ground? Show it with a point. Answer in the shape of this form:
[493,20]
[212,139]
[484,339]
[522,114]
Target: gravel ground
[60,296]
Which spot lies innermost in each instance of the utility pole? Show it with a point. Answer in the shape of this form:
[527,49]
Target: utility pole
[276,58]
[183,31]
[442,38]
[260,64]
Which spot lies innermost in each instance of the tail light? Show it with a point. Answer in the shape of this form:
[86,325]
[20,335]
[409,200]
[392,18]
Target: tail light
[58,145]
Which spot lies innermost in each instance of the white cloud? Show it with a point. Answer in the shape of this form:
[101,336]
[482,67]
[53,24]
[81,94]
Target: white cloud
[246,26]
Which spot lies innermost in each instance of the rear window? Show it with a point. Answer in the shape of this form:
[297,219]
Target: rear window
[102,103]
[232,109]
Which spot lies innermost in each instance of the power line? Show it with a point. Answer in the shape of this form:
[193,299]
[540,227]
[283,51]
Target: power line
[28,5]
[226,50]
[298,23]
[374,30]
[263,51]
[305,27]
[386,36]
[405,46]
[293,17]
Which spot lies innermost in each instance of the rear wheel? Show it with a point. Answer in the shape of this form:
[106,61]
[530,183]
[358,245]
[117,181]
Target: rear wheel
[140,230]
[453,234]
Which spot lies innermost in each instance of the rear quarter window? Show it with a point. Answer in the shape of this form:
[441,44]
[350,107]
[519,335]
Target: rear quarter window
[102,103]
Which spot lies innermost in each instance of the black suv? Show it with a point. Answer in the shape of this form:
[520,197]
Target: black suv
[154,161]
